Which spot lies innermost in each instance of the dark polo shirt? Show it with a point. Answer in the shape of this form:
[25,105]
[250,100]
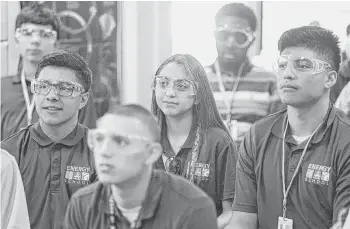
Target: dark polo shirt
[216,166]
[14,110]
[171,203]
[51,172]
[322,186]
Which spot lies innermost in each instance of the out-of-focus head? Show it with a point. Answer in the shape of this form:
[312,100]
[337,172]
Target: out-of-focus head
[308,64]
[61,87]
[235,27]
[37,31]
[126,143]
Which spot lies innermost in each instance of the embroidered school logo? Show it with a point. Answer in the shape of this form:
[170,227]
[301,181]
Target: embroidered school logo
[77,175]
[201,171]
[318,174]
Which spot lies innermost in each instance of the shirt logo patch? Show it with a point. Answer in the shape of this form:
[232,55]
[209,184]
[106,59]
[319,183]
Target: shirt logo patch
[201,171]
[77,175]
[318,174]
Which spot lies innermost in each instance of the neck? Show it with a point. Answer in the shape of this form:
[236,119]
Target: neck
[29,69]
[132,194]
[58,132]
[179,126]
[229,66]
[304,121]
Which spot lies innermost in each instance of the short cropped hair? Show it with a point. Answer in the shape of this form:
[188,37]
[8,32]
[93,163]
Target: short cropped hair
[140,113]
[71,60]
[238,10]
[320,40]
[38,14]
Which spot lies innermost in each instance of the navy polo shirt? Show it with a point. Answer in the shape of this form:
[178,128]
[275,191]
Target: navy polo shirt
[171,202]
[51,172]
[14,110]
[216,165]
[322,186]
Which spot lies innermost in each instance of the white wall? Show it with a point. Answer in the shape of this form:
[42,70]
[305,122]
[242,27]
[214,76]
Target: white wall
[146,42]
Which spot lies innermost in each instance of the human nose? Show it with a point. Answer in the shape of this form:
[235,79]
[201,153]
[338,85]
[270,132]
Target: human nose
[35,38]
[105,149]
[169,91]
[289,72]
[52,94]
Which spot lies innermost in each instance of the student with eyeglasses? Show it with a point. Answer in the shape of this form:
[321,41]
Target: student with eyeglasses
[53,154]
[196,143]
[37,34]
[130,193]
[243,92]
[293,168]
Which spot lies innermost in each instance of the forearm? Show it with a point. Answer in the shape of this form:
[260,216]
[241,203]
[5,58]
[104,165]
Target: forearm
[243,220]
[225,217]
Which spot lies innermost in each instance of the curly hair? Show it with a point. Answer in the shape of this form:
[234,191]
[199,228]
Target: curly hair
[320,40]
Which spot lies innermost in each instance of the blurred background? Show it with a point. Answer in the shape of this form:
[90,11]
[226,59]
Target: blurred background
[125,42]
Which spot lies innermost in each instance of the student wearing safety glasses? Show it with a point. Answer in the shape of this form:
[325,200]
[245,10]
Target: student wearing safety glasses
[53,154]
[243,93]
[196,143]
[130,193]
[37,33]
[293,169]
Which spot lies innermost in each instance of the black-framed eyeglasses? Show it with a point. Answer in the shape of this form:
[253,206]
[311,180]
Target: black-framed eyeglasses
[173,165]
[62,88]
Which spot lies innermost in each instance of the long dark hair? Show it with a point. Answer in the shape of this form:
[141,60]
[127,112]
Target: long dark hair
[205,112]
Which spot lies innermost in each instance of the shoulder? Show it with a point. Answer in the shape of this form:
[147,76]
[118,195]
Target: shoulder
[15,139]
[85,195]
[263,126]
[183,190]
[216,134]
[7,161]
[5,80]
[343,123]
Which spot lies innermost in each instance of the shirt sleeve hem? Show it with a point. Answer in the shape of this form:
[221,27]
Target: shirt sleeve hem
[244,208]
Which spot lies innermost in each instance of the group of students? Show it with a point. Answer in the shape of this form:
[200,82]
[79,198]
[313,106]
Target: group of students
[185,164]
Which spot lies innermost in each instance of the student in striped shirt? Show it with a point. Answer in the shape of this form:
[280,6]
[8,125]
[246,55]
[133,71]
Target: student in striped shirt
[243,93]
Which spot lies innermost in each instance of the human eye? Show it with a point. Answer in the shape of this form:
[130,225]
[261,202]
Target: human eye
[120,140]
[304,64]
[182,85]
[26,32]
[163,82]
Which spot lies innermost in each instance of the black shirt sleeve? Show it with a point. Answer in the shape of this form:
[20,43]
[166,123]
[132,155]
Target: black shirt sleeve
[246,189]
[342,191]
[74,215]
[226,171]
[202,216]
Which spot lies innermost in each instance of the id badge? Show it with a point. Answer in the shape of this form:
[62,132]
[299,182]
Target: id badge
[285,223]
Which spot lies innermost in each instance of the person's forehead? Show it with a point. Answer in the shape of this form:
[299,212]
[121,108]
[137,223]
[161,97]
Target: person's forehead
[297,52]
[35,26]
[231,22]
[122,125]
[173,70]
[55,73]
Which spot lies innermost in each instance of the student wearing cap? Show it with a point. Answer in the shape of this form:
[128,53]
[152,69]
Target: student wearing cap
[293,169]
[130,193]
[52,154]
[37,34]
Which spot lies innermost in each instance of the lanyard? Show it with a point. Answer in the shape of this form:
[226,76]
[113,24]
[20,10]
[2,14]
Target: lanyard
[29,104]
[228,103]
[286,191]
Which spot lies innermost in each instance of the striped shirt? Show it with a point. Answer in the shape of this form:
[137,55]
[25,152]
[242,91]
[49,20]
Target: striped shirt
[255,97]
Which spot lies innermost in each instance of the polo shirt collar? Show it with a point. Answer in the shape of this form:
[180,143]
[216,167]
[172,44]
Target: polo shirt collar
[42,139]
[280,125]
[188,143]
[151,203]
[17,78]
